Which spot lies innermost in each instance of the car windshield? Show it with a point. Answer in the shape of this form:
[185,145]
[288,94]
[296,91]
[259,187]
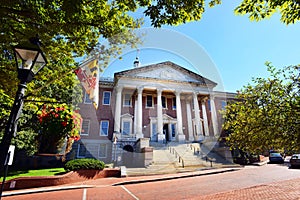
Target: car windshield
[295,156]
[275,155]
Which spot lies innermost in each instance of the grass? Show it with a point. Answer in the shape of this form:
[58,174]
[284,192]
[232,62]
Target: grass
[35,172]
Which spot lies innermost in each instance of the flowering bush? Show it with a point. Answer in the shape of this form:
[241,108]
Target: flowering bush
[56,124]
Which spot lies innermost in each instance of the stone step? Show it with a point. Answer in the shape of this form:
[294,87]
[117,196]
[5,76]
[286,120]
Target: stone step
[192,154]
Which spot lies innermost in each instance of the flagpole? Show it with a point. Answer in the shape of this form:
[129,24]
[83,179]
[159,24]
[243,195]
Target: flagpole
[87,61]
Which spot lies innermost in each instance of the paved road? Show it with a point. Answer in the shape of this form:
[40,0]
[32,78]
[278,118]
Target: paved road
[264,182]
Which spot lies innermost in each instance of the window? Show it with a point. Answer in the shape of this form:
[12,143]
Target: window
[102,151]
[149,103]
[81,151]
[174,103]
[104,125]
[127,100]
[173,128]
[223,105]
[209,105]
[87,99]
[106,98]
[85,127]
[126,128]
[163,102]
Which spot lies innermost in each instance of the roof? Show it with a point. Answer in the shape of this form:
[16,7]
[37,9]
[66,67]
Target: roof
[165,71]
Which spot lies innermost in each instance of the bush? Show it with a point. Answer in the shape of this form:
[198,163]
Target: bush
[84,163]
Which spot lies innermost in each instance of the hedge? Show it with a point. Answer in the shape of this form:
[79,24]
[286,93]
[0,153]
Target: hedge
[84,163]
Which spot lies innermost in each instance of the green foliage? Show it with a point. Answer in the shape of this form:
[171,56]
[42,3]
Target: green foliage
[6,104]
[267,115]
[56,123]
[261,9]
[26,140]
[84,163]
[69,30]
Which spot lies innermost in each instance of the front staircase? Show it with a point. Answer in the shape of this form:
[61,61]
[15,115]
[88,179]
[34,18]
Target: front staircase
[181,157]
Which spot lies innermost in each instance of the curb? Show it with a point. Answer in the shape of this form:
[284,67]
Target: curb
[260,163]
[137,181]
[173,177]
[45,189]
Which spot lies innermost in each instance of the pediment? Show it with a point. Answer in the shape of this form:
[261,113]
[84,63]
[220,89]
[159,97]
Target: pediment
[167,117]
[167,71]
[126,115]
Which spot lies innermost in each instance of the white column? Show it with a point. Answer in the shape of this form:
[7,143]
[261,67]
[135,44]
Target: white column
[139,133]
[214,116]
[160,136]
[199,133]
[117,123]
[205,121]
[189,120]
[180,136]
[135,116]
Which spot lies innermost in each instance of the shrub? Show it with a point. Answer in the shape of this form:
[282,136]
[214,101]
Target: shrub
[56,123]
[84,163]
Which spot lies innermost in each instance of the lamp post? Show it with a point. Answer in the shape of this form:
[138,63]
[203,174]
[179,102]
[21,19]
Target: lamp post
[29,61]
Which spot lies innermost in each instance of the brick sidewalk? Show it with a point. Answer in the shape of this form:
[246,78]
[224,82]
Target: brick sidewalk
[283,190]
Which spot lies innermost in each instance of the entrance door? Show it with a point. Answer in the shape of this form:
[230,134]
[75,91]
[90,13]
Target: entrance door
[166,132]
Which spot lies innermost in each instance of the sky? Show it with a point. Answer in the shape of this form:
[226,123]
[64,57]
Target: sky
[226,48]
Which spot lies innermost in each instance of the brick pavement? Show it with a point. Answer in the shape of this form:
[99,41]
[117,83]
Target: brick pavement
[283,190]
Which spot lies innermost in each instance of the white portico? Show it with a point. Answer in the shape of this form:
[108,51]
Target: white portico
[164,102]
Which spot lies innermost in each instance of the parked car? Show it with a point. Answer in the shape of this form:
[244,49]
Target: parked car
[295,160]
[276,157]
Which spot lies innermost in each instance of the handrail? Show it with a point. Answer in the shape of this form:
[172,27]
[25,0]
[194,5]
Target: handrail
[207,159]
[195,149]
[174,152]
[210,160]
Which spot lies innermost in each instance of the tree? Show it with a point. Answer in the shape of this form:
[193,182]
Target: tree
[263,9]
[55,124]
[267,115]
[70,29]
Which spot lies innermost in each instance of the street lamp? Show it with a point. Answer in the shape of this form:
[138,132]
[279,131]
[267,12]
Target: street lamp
[29,61]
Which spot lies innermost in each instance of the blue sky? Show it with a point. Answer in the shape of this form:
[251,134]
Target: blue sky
[223,47]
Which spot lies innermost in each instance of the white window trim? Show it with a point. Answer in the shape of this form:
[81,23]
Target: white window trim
[152,102]
[104,96]
[130,126]
[89,125]
[124,100]
[100,131]
[105,156]
[78,150]
[85,97]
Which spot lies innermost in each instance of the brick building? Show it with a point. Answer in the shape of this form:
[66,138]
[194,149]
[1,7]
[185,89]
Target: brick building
[151,104]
